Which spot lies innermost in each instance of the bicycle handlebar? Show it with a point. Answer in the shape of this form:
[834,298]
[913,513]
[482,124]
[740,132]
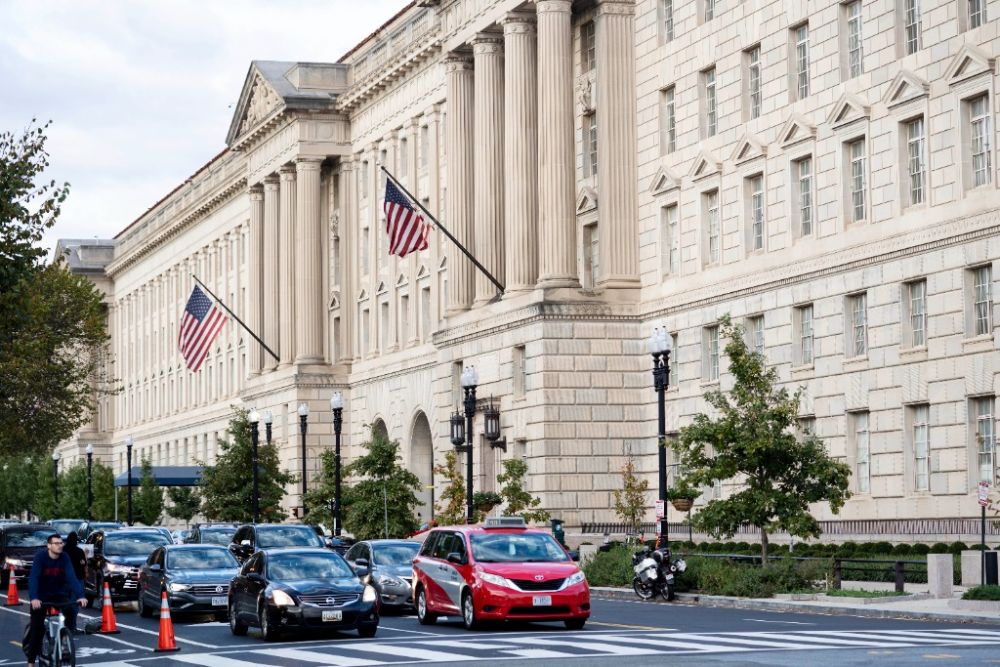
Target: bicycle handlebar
[58,605]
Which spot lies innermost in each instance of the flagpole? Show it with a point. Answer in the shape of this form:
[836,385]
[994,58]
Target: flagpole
[441,227]
[221,303]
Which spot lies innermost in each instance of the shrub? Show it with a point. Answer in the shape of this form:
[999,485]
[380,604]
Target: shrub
[939,548]
[847,549]
[957,548]
[881,548]
[743,547]
[982,593]
[920,550]
[902,550]
[721,577]
[610,568]
[979,547]
[729,547]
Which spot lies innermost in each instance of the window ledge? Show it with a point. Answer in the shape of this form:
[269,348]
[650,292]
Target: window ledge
[856,363]
[805,369]
[707,384]
[982,343]
[914,353]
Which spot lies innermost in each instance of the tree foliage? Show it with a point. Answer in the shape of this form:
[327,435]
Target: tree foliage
[184,502]
[53,335]
[149,501]
[630,500]
[384,499]
[322,491]
[519,501]
[450,509]
[17,485]
[753,440]
[226,487]
[73,492]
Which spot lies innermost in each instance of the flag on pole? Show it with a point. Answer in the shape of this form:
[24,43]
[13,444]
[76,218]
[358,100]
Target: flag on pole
[200,325]
[405,226]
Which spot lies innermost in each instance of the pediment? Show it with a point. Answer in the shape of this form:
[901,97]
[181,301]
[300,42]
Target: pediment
[969,62]
[258,101]
[748,148]
[663,181]
[704,165]
[363,296]
[848,109]
[401,280]
[422,272]
[905,87]
[586,200]
[382,288]
[797,128]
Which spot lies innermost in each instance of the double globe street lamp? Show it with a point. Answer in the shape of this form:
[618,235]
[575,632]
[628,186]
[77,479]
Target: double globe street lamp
[90,482]
[660,347]
[254,419]
[55,477]
[337,407]
[461,432]
[128,463]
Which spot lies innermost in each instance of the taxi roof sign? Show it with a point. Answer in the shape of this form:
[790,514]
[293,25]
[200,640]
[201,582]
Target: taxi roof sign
[504,522]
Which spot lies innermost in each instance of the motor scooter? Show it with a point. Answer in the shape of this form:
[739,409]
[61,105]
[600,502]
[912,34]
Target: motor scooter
[655,573]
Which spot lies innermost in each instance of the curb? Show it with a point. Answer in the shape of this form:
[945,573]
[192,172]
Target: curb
[764,604]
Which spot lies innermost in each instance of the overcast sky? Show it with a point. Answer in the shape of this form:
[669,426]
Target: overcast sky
[141,92]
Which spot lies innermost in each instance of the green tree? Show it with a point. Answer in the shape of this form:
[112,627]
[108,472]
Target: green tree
[322,491]
[17,485]
[630,500]
[73,492]
[148,506]
[184,502]
[43,502]
[519,501]
[754,440]
[53,334]
[384,500]
[451,507]
[226,488]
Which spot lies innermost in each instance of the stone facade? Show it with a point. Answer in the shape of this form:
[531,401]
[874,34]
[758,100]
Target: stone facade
[825,173]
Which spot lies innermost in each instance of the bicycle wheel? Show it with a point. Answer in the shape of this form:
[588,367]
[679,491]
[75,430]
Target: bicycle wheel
[45,657]
[67,649]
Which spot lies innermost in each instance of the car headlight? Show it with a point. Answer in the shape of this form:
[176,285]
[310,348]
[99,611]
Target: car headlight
[574,579]
[16,562]
[282,599]
[369,595]
[497,580]
[177,588]
[389,580]
[119,569]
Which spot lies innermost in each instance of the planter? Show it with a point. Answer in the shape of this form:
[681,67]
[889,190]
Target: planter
[682,504]
[485,509]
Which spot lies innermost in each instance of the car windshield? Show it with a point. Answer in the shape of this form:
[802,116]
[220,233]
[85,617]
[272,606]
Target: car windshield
[66,527]
[221,536]
[394,554]
[287,536]
[516,548]
[28,538]
[200,559]
[132,544]
[290,567]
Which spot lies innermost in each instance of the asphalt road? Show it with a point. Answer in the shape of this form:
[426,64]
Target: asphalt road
[641,633]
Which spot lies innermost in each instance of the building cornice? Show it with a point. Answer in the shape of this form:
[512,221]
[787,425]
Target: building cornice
[424,47]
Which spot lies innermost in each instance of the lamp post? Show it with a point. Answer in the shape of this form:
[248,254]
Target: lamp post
[90,482]
[337,406]
[254,419]
[55,477]
[303,425]
[469,381]
[491,426]
[660,347]
[128,462]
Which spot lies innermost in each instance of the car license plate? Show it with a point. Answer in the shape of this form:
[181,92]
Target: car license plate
[219,601]
[541,600]
[333,615]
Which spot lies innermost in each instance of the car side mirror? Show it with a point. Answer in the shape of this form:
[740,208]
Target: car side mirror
[455,557]
[155,567]
[255,576]
[361,562]
[575,555]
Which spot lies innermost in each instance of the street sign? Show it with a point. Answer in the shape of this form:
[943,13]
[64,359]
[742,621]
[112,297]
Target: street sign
[659,510]
[984,493]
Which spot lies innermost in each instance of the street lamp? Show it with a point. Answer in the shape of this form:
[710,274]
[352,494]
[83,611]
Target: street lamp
[659,346]
[55,477]
[491,426]
[254,418]
[469,381]
[267,418]
[90,482]
[337,406]
[303,425]
[128,462]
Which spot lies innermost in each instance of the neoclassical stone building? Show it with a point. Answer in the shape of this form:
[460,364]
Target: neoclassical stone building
[823,171]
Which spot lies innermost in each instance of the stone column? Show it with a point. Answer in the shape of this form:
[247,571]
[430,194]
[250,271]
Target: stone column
[487,49]
[255,266]
[460,194]
[556,153]
[272,247]
[617,174]
[348,257]
[286,266]
[308,263]
[520,152]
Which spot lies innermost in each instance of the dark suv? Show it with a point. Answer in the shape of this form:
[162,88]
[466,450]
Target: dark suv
[19,542]
[212,533]
[116,558]
[251,537]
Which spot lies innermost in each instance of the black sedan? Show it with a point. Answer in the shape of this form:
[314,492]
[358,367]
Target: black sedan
[194,576]
[299,589]
[391,569]
[117,557]
[19,543]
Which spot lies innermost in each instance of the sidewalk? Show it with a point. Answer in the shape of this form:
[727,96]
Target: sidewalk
[916,604]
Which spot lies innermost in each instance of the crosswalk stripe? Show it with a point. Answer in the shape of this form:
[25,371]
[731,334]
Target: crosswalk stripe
[408,652]
[815,639]
[539,653]
[664,642]
[617,649]
[985,634]
[753,641]
[209,660]
[467,644]
[300,655]
[892,638]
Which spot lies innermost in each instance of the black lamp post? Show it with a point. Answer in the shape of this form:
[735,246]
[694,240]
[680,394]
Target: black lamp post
[660,347]
[254,419]
[469,381]
[491,426]
[337,406]
[303,425]
[55,477]
[90,482]
[267,418]
[128,462]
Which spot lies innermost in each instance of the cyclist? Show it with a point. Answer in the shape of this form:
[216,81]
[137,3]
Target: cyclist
[52,579]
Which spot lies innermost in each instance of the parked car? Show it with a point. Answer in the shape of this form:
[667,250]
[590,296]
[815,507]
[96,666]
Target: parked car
[195,577]
[180,535]
[390,564]
[116,558]
[250,537]
[212,533]
[501,570]
[163,530]
[19,542]
[297,589]
[89,527]
[66,526]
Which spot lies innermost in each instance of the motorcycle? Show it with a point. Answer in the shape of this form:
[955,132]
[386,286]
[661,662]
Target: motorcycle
[655,573]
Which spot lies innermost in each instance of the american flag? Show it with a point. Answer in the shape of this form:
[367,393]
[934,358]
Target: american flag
[202,321]
[405,226]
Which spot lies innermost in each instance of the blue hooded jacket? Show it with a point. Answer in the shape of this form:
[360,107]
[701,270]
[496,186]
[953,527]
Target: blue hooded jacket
[51,579]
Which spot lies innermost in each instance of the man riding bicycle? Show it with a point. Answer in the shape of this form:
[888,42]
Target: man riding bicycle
[52,579]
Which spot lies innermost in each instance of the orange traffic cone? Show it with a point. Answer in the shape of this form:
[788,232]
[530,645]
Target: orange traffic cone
[12,597]
[108,624]
[166,641]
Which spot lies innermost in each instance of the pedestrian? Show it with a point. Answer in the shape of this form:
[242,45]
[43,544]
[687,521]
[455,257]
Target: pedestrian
[52,579]
[79,560]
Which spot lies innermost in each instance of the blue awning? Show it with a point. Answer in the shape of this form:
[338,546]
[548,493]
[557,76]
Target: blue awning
[164,476]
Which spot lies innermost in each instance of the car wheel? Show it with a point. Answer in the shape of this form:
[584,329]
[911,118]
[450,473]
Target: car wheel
[469,612]
[575,623]
[144,609]
[267,630]
[424,616]
[236,626]
[367,630]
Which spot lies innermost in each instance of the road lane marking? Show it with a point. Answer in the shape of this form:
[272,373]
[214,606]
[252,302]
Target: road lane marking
[321,658]
[412,632]
[468,643]
[540,653]
[122,641]
[210,660]
[761,620]
[630,627]
[903,637]
[597,646]
[817,639]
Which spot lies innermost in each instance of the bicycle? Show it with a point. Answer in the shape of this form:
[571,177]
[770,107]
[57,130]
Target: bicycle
[58,647]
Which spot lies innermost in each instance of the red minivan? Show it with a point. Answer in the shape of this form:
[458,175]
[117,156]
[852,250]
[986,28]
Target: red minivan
[501,570]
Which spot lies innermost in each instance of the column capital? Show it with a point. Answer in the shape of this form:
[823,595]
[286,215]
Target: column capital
[271,181]
[518,22]
[486,43]
[457,61]
[287,172]
[617,7]
[308,163]
[554,6]
[347,163]
[256,192]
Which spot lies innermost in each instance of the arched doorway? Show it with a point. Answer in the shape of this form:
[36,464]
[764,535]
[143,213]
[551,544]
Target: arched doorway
[422,464]
[379,429]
